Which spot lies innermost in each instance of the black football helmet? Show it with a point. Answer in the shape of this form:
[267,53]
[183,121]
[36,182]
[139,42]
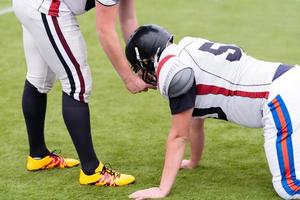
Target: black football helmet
[144,47]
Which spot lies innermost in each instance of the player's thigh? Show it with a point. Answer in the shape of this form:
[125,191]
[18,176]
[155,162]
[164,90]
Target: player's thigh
[38,72]
[68,56]
[62,46]
[282,134]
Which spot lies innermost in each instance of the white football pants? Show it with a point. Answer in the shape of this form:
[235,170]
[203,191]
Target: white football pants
[282,133]
[54,48]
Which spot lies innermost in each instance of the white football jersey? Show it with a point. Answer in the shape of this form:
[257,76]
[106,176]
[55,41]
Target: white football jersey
[77,7]
[230,85]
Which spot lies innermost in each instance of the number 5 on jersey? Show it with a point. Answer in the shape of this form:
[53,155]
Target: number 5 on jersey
[234,55]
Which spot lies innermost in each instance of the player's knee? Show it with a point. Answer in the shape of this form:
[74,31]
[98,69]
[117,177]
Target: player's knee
[285,192]
[79,85]
[79,92]
[41,85]
[88,91]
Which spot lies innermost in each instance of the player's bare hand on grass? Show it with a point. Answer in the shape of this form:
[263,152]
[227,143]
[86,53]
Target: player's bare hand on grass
[135,85]
[188,164]
[150,193]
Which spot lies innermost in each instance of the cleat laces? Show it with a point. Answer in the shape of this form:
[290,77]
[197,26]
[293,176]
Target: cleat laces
[108,169]
[55,152]
[58,161]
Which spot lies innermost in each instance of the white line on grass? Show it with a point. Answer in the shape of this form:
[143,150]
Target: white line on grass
[6,10]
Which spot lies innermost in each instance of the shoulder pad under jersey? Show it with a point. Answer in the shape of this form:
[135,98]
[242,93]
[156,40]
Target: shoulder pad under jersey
[174,77]
[186,40]
[181,82]
[108,2]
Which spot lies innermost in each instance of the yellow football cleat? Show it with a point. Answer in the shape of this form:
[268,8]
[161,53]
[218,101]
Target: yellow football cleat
[105,176]
[49,162]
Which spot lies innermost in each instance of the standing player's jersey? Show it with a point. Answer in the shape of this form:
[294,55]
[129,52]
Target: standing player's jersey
[230,85]
[61,7]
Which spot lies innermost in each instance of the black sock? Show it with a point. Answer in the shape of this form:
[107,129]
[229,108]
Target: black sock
[77,119]
[34,109]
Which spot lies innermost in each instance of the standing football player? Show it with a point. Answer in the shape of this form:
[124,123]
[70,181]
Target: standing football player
[205,79]
[55,48]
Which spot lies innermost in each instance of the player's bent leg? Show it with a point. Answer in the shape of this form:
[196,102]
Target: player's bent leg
[282,183]
[282,135]
[281,191]
[105,176]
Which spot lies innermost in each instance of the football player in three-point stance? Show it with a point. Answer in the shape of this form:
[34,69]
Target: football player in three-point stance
[55,48]
[205,79]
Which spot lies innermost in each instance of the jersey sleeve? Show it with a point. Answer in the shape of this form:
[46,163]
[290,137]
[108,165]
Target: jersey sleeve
[183,102]
[181,82]
[108,2]
[174,76]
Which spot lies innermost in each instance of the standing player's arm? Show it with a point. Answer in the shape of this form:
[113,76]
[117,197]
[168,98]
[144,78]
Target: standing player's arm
[174,154]
[106,18]
[197,139]
[128,19]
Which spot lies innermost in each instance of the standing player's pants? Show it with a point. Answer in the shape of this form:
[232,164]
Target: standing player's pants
[282,133]
[54,47]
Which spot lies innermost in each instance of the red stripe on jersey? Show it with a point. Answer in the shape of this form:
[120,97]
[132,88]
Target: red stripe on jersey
[54,8]
[212,89]
[161,64]
[71,57]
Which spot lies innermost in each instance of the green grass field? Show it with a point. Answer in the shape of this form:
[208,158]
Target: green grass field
[129,131]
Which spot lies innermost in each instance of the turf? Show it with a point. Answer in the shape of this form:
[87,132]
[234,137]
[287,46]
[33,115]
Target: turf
[129,131]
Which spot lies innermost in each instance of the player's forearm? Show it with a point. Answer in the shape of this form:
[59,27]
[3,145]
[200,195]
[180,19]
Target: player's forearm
[197,145]
[128,27]
[197,140]
[106,18]
[111,46]
[174,154]
[128,19]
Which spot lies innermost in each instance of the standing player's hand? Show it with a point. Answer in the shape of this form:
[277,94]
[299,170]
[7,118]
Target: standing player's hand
[187,164]
[151,193]
[135,84]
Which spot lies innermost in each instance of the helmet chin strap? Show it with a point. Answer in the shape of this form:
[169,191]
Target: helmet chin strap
[138,57]
[137,54]
[148,74]
[156,58]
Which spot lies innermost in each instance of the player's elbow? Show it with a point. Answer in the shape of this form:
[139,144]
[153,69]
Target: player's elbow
[104,31]
[101,32]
